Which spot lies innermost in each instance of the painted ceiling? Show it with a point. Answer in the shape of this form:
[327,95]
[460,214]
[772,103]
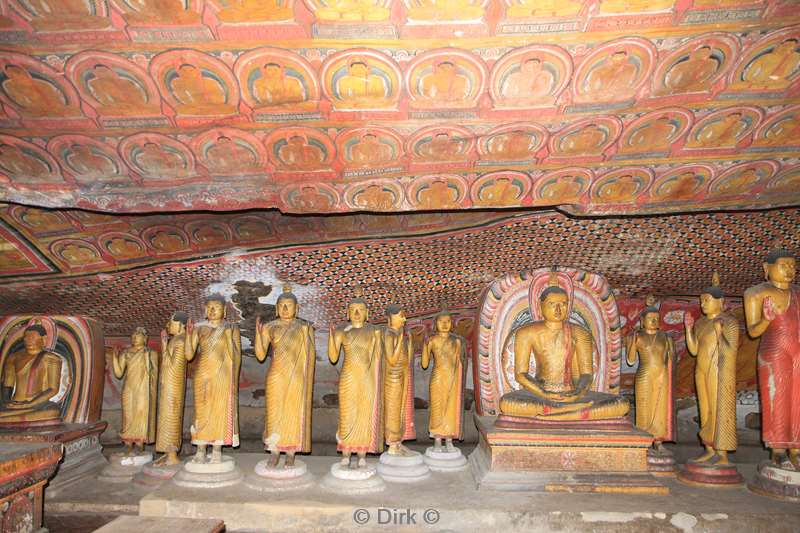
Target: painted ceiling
[325,106]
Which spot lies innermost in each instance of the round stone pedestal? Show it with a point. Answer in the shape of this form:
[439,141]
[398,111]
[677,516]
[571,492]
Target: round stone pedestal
[153,476]
[661,463]
[267,478]
[445,461]
[710,475]
[776,482]
[122,467]
[344,480]
[209,475]
[403,468]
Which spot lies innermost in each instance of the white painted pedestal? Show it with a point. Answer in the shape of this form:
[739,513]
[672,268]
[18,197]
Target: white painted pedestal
[122,467]
[445,461]
[209,475]
[344,480]
[267,478]
[403,468]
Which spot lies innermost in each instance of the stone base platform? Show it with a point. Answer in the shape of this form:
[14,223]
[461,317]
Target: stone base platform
[123,467]
[452,502]
[709,475]
[661,463]
[598,458]
[152,476]
[403,468]
[266,478]
[209,475]
[781,483]
[82,451]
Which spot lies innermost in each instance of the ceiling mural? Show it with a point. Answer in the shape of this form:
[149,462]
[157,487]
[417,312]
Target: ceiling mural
[333,106]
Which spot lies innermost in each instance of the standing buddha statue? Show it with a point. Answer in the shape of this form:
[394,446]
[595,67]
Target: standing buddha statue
[171,390]
[138,364]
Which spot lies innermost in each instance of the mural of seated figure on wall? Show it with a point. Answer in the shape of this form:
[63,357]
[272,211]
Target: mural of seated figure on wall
[529,83]
[115,91]
[237,11]
[772,68]
[198,94]
[444,85]
[19,164]
[31,381]
[370,151]
[352,11]
[274,87]
[60,15]
[156,12]
[445,10]
[298,154]
[226,156]
[694,73]
[88,164]
[35,96]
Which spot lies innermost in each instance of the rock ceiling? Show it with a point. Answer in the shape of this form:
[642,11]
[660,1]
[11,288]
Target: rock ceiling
[322,106]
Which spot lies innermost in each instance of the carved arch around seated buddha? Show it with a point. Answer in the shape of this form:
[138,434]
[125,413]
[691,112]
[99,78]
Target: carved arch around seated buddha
[511,301]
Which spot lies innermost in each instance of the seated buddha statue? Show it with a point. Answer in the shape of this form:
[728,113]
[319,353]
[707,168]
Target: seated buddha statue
[561,388]
[31,377]
[353,11]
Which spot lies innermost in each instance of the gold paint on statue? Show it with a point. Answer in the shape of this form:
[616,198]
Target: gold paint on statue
[138,364]
[447,382]
[397,381]
[289,381]
[560,390]
[171,390]
[714,340]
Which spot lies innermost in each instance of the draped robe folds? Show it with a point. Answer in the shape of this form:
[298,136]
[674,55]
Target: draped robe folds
[139,392]
[216,386]
[171,395]
[398,390]
[447,391]
[654,400]
[360,402]
[37,374]
[715,379]
[779,377]
[289,386]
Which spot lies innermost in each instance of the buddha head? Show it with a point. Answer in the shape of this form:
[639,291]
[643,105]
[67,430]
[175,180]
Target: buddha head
[139,337]
[780,266]
[369,138]
[358,69]
[177,323]
[443,323]
[189,72]
[702,53]
[618,58]
[33,338]
[287,304]
[272,71]
[651,316]
[103,72]
[446,69]
[787,47]
[15,72]
[712,299]
[396,317]
[555,304]
[215,307]
[531,66]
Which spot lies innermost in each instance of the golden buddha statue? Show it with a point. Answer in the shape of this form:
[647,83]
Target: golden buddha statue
[444,86]
[692,74]
[138,364]
[561,388]
[88,164]
[772,70]
[398,383]
[531,83]
[544,8]
[289,381]
[238,11]
[35,97]
[60,15]
[360,88]
[31,382]
[120,94]
[370,151]
[446,10]
[171,390]
[216,381]
[653,387]
[353,11]
[714,340]
[654,136]
[360,428]
[274,87]
[612,79]
[446,393]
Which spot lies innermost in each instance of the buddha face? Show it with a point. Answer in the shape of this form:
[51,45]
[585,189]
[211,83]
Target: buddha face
[397,320]
[704,52]
[786,47]
[446,69]
[175,327]
[188,72]
[651,321]
[781,271]
[444,323]
[710,305]
[272,71]
[138,339]
[554,307]
[215,310]
[102,71]
[531,66]
[359,70]
[287,308]
[34,342]
[357,313]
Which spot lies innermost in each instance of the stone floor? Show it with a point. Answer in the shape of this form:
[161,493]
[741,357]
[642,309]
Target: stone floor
[454,502]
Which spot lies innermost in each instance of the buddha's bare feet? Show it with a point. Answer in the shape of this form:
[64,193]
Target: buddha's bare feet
[345,461]
[405,452]
[200,458]
[794,458]
[273,460]
[362,463]
[449,446]
[216,456]
[721,459]
[289,463]
[706,456]
[171,459]
[161,461]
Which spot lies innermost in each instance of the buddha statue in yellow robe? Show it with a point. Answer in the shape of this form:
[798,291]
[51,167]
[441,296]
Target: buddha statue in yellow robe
[446,394]
[171,390]
[289,381]
[398,383]
[238,11]
[714,340]
[446,10]
[360,427]
[216,381]
[561,388]
[31,379]
[353,11]
[138,364]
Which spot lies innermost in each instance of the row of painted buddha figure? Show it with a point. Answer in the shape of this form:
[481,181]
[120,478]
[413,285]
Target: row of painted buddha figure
[376,385]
